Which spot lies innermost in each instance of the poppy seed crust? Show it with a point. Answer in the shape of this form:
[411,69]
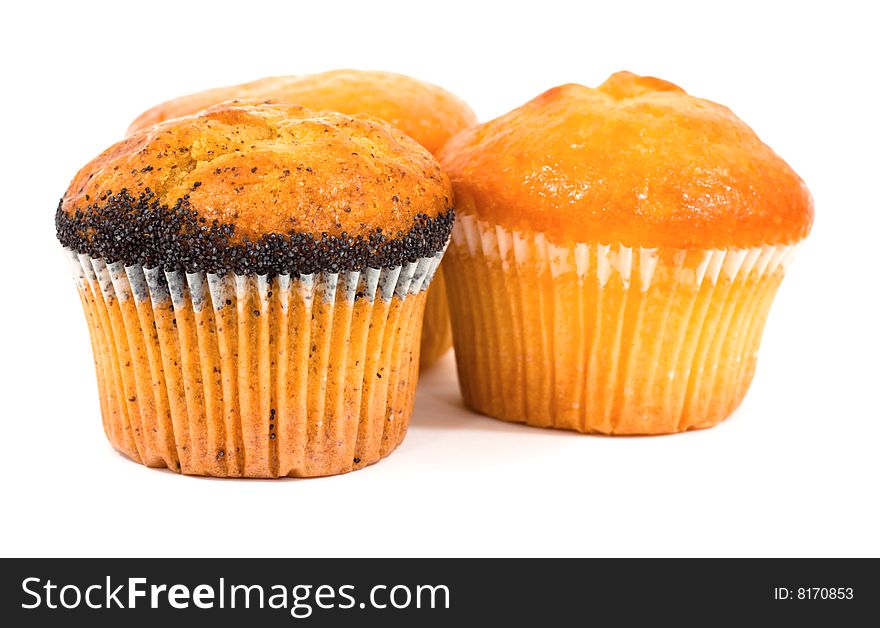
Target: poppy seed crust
[142,230]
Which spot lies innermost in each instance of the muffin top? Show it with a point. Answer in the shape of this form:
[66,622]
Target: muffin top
[425,112]
[260,188]
[637,161]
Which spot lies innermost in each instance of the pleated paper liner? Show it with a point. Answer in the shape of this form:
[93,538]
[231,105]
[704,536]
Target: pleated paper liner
[246,376]
[436,330]
[605,338]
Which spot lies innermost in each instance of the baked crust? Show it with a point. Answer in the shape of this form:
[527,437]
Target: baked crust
[425,112]
[636,161]
[260,188]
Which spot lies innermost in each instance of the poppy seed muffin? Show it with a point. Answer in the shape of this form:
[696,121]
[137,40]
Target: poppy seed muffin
[425,112]
[616,253]
[254,279]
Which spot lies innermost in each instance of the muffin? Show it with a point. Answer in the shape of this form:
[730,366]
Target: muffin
[253,279]
[425,112]
[615,255]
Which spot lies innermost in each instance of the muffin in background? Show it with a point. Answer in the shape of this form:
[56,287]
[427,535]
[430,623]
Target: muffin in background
[436,330]
[616,251]
[254,279]
[425,112]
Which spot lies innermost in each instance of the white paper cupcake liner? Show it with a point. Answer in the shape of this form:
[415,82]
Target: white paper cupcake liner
[605,337]
[243,375]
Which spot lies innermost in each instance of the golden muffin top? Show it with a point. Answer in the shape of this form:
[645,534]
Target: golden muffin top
[260,188]
[425,112]
[636,161]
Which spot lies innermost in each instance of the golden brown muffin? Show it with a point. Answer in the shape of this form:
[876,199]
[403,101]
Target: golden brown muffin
[615,255]
[425,112]
[636,161]
[253,278]
[436,329]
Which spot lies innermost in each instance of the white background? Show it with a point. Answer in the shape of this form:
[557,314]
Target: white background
[794,472]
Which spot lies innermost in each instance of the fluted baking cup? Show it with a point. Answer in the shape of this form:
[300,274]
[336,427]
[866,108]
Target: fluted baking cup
[436,330]
[604,337]
[254,376]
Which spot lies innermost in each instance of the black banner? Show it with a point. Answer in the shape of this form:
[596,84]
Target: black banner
[331,592]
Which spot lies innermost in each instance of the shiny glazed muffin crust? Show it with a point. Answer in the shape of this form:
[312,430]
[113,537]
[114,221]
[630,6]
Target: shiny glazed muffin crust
[637,161]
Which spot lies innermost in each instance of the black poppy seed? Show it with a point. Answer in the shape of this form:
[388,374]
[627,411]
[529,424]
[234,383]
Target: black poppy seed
[254,169]
[357,460]
[140,230]
[272,436]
